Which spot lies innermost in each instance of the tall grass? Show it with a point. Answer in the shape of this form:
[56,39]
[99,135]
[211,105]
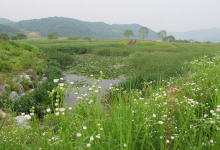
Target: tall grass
[181,114]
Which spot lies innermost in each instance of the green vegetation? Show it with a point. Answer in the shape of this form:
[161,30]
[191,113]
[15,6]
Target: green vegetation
[21,36]
[4,36]
[180,114]
[170,99]
[143,31]
[128,33]
[9,30]
[22,58]
[73,37]
[52,35]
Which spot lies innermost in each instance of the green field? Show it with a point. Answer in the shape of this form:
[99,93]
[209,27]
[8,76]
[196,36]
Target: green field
[169,97]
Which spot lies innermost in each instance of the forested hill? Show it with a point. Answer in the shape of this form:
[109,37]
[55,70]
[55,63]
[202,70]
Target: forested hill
[9,30]
[68,27]
[4,21]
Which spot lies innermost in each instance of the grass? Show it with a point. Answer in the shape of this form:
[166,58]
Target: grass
[181,114]
[170,101]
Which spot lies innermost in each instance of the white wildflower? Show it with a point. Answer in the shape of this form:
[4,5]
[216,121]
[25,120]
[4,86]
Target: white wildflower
[98,136]
[61,84]
[55,80]
[79,134]
[48,110]
[84,127]
[160,122]
[167,141]
[62,109]
[27,117]
[91,138]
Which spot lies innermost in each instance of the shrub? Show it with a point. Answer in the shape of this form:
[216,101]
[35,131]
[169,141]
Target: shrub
[26,84]
[24,104]
[5,66]
[73,38]
[15,44]
[87,38]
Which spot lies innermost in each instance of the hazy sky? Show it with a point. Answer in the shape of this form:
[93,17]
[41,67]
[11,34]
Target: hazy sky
[170,15]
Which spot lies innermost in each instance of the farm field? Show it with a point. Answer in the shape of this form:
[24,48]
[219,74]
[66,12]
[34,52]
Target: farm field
[168,98]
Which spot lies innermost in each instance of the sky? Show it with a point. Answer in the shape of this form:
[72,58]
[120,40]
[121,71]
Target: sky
[169,15]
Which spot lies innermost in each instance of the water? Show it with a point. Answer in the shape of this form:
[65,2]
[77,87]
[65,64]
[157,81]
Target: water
[71,97]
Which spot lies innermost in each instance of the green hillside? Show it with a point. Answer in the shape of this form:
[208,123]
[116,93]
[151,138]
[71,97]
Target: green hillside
[9,30]
[4,21]
[69,27]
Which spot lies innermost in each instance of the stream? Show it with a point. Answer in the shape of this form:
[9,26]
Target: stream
[71,97]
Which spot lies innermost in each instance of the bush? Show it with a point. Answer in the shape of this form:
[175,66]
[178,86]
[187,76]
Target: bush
[24,104]
[5,66]
[73,38]
[13,37]
[15,44]
[26,84]
[64,59]
[87,38]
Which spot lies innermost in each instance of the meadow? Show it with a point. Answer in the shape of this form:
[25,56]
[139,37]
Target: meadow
[168,98]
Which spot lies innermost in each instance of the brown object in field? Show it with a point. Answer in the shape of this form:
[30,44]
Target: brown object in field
[131,42]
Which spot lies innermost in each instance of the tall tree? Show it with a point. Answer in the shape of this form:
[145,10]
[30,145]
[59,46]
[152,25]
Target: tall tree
[128,33]
[170,38]
[4,36]
[162,34]
[143,31]
[52,35]
[21,35]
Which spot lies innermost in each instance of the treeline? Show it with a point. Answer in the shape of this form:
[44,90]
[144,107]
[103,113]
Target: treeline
[9,30]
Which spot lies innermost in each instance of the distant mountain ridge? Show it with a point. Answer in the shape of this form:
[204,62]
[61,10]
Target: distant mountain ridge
[68,27]
[5,21]
[202,35]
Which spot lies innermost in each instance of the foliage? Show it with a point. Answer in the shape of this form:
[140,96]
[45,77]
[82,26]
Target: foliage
[4,36]
[182,41]
[13,37]
[162,34]
[143,32]
[21,36]
[73,37]
[128,33]
[7,29]
[52,35]
[170,38]
[87,38]
[24,104]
